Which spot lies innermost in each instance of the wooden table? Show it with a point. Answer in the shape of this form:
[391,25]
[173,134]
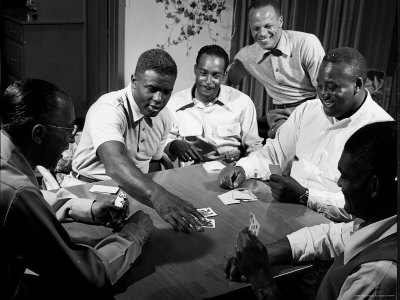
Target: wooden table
[176,265]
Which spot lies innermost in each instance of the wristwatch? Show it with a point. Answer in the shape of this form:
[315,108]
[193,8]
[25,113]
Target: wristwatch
[304,198]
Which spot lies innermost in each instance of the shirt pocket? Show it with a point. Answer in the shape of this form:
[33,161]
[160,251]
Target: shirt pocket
[228,130]
[193,129]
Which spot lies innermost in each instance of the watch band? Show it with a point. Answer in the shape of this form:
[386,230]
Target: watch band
[304,198]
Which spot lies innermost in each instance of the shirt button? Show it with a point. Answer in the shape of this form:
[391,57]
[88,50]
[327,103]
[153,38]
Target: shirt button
[276,70]
[142,129]
[142,141]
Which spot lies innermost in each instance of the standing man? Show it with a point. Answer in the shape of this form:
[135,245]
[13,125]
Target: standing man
[313,138]
[286,62]
[125,129]
[36,126]
[212,121]
[364,251]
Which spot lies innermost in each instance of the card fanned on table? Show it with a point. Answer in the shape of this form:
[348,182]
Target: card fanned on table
[213,166]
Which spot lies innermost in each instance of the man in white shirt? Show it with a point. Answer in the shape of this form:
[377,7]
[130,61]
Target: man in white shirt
[212,121]
[313,137]
[364,251]
[125,129]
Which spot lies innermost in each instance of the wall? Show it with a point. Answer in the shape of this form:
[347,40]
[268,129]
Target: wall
[145,28]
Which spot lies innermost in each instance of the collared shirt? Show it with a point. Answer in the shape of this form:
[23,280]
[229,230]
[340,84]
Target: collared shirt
[116,117]
[291,77]
[315,143]
[31,235]
[223,125]
[327,241]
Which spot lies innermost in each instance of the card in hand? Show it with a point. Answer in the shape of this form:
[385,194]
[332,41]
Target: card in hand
[275,169]
[207,212]
[120,200]
[254,226]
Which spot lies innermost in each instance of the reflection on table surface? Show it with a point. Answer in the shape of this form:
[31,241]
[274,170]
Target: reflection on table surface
[176,265]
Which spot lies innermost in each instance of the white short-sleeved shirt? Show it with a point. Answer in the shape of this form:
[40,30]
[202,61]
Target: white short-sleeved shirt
[116,117]
[226,124]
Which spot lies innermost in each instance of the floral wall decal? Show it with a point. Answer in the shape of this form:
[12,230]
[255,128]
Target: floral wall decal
[189,18]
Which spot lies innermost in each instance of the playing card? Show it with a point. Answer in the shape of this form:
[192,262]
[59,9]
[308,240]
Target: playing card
[207,212]
[275,169]
[228,198]
[244,195]
[254,226]
[210,223]
[120,200]
[104,189]
[213,166]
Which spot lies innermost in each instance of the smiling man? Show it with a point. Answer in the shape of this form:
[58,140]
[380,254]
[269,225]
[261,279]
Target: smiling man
[125,129]
[212,121]
[313,137]
[286,62]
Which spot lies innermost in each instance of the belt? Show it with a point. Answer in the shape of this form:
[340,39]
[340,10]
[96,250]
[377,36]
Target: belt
[83,178]
[283,106]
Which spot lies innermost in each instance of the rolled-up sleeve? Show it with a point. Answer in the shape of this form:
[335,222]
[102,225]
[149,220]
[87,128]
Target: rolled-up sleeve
[323,242]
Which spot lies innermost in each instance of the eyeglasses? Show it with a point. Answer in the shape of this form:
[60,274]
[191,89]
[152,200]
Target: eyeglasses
[72,130]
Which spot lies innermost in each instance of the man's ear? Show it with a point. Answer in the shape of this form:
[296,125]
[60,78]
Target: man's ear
[133,80]
[38,133]
[195,69]
[280,21]
[359,85]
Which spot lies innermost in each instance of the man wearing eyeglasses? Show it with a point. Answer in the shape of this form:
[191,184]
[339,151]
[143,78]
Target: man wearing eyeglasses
[212,121]
[36,126]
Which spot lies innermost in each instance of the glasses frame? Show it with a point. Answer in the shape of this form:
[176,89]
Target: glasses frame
[73,130]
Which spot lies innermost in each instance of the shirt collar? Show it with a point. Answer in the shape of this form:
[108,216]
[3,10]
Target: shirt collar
[13,156]
[284,45]
[219,99]
[364,108]
[137,114]
[362,238]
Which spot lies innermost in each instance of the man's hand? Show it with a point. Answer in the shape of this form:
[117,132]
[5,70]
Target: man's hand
[142,220]
[231,177]
[106,213]
[184,151]
[286,189]
[178,212]
[231,269]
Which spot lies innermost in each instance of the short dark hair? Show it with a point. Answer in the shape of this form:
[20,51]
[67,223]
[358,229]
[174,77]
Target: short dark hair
[157,60]
[28,102]
[276,4]
[373,150]
[213,50]
[353,61]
